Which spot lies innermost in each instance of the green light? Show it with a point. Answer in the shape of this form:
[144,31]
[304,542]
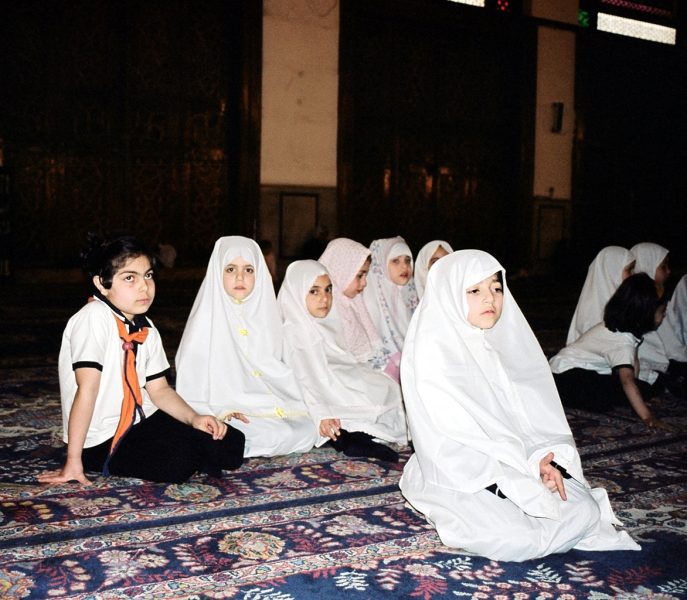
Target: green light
[583,18]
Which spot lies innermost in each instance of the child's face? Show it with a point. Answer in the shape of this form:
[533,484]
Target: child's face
[239,278]
[359,281]
[438,253]
[133,287]
[485,302]
[318,301]
[662,273]
[400,269]
[629,269]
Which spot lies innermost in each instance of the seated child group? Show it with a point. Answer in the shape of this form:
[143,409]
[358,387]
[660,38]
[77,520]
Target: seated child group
[373,353]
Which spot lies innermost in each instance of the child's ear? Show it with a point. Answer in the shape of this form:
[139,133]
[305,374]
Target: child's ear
[98,283]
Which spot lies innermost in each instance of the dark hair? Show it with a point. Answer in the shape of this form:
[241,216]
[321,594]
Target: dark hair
[103,257]
[633,306]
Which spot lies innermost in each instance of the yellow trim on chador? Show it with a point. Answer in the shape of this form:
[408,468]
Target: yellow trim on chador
[276,413]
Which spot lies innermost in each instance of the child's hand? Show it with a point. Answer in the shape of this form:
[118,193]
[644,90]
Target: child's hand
[330,428]
[209,424]
[70,472]
[551,476]
[653,423]
[236,415]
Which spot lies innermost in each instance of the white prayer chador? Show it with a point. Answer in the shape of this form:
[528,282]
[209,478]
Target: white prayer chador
[673,330]
[422,263]
[649,256]
[343,258]
[230,358]
[604,275]
[335,385]
[390,305]
[653,358]
[483,409]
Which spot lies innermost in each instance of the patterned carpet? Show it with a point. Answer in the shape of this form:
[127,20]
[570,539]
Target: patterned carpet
[317,525]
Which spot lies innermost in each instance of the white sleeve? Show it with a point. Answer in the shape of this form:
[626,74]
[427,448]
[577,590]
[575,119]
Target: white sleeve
[620,354]
[89,336]
[156,359]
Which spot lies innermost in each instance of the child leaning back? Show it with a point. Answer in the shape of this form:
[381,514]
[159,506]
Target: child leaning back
[112,370]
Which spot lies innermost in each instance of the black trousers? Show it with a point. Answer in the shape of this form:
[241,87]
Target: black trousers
[162,449]
[582,388]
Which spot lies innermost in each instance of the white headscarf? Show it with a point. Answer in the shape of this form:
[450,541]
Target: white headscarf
[335,385]
[673,330]
[604,275]
[230,355]
[343,258]
[422,263]
[482,404]
[648,256]
[390,305]
[652,354]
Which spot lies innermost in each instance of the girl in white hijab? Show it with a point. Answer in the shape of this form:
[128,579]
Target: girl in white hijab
[349,401]
[673,334]
[652,259]
[390,294]
[606,272]
[230,355]
[348,263]
[673,330]
[428,255]
[487,423]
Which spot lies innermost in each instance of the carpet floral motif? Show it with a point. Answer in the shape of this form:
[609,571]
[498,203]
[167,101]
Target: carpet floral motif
[317,525]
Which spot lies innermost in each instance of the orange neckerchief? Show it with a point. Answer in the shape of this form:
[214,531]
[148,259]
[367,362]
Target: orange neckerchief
[132,401]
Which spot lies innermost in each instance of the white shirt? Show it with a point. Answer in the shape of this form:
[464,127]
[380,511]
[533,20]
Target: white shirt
[598,350]
[91,339]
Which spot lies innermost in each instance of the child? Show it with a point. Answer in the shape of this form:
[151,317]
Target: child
[598,370]
[676,321]
[348,264]
[112,382]
[673,334]
[652,259]
[351,402]
[230,355]
[428,255]
[390,294]
[606,272]
[495,468]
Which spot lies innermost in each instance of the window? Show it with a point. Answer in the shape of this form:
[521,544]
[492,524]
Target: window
[653,20]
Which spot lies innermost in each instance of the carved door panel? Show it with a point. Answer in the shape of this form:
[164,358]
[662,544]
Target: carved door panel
[123,116]
[431,128]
